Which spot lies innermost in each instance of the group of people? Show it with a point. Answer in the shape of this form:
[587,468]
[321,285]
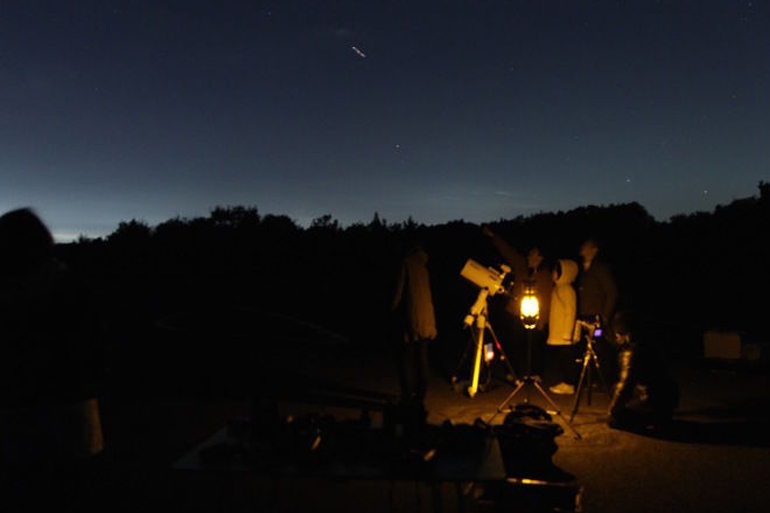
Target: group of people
[562,301]
[567,291]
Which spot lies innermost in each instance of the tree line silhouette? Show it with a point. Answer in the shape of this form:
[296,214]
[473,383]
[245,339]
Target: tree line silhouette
[690,273]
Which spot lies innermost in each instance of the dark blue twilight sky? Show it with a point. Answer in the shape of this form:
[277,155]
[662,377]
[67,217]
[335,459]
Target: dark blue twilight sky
[112,110]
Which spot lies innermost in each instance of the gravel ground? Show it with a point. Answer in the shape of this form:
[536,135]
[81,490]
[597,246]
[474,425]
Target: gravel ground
[716,458]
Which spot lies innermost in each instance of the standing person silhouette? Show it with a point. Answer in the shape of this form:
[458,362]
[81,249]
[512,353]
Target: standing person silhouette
[597,296]
[413,308]
[50,429]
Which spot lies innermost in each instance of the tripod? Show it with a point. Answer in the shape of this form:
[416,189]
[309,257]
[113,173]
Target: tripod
[590,359]
[527,382]
[477,321]
[472,347]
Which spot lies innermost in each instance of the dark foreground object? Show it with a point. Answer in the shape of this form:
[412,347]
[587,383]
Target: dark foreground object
[467,456]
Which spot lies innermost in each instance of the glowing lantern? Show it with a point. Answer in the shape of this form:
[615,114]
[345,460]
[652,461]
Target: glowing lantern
[530,309]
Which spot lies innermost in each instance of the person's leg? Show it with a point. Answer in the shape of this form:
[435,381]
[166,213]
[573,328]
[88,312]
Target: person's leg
[566,369]
[624,388]
[422,370]
[551,373]
[570,365]
[406,372]
[414,371]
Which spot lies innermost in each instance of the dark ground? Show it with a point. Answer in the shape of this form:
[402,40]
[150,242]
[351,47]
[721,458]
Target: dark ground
[715,458]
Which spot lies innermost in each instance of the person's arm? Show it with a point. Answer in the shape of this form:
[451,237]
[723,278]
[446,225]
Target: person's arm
[514,258]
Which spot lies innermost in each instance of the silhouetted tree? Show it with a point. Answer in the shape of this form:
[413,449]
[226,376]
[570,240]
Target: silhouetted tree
[676,273]
[325,222]
[131,233]
[764,190]
[235,216]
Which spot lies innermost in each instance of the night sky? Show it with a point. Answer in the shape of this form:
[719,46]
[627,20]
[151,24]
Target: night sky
[442,110]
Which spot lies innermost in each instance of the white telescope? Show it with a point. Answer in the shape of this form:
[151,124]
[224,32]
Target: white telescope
[491,282]
[484,277]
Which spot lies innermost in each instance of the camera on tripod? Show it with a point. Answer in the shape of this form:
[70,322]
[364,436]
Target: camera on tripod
[591,323]
[591,327]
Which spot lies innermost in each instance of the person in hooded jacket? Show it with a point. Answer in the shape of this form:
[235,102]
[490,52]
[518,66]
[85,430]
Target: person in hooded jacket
[561,325]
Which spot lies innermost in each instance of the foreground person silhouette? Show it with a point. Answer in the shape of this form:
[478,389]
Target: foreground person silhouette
[50,430]
[415,322]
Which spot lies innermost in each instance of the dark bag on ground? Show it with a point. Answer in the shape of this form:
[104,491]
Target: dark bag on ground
[527,442]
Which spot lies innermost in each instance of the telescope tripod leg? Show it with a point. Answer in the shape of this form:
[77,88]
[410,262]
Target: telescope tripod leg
[579,391]
[532,381]
[603,382]
[505,356]
[590,357]
[556,409]
[589,382]
[478,358]
[519,386]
